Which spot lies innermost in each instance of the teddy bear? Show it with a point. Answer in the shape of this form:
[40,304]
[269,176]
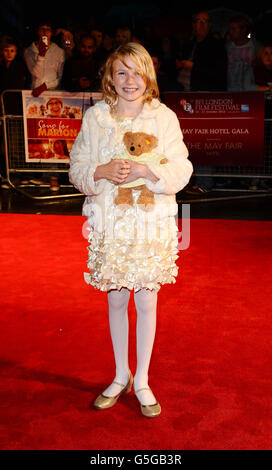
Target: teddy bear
[139,146]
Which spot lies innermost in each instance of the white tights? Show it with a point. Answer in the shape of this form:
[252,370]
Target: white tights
[146,306]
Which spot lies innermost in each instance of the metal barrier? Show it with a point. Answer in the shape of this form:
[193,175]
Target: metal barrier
[12,125]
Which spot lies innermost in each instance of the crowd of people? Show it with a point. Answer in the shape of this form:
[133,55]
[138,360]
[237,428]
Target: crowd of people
[62,59]
[73,60]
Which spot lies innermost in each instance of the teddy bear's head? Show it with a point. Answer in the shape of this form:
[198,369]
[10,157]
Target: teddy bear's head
[138,142]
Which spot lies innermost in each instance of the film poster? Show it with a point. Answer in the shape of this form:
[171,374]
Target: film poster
[52,122]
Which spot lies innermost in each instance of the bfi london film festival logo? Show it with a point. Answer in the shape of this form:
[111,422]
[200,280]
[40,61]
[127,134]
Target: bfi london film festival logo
[212,105]
[188,108]
[150,230]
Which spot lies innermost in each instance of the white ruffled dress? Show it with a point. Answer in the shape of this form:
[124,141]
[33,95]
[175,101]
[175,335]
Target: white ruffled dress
[128,247]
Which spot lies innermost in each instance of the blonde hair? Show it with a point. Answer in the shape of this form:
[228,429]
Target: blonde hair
[142,59]
[258,59]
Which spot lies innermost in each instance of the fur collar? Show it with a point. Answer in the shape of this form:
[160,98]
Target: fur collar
[104,118]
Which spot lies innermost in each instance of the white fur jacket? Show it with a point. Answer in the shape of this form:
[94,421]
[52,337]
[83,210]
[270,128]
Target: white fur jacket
[100,139]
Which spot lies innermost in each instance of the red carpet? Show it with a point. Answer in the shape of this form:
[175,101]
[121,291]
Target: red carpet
[211,364]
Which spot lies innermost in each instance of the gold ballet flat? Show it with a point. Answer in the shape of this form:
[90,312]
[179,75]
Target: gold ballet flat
[151,411]
[103,402]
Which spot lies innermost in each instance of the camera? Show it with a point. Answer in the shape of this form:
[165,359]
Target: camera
[45,40]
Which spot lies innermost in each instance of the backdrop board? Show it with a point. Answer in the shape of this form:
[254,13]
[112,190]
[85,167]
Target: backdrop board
[221,128]
[52,122]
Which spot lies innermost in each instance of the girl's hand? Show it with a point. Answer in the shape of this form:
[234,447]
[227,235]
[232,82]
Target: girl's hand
[115,171]
[137,170]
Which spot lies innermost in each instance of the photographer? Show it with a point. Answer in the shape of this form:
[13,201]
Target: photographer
[44,60]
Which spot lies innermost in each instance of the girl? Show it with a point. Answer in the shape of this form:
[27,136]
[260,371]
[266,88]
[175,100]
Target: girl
[130,248]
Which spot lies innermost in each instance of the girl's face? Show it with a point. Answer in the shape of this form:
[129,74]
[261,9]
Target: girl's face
[128,82]
[267,57]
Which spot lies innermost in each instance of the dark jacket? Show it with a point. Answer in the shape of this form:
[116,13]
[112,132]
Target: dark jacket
[77,67]
[209,72]
[262,75]
[14,77]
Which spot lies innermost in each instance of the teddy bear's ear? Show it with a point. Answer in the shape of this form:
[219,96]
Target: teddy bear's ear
[127,136]
[153,140]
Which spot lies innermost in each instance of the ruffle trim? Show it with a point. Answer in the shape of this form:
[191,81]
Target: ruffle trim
[114,264]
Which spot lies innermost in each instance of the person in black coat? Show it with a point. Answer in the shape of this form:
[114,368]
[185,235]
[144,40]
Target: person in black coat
[13,74]
[80,72]
[203,64]
[203,67]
